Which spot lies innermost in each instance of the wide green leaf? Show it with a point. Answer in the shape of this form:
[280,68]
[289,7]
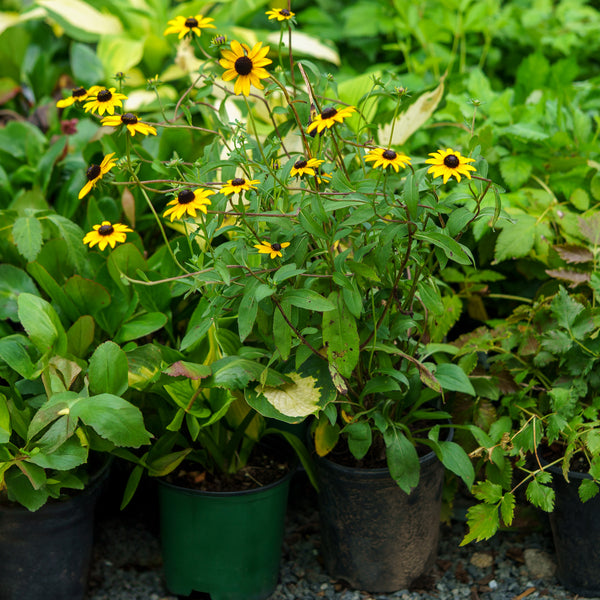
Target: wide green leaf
[13,281]
[402,460]
[340,336]
[27,234]
[141,326]
[308,300]
[455,459]
[42,324]
[452,378]
[108,370]
[114,419]
[80,336]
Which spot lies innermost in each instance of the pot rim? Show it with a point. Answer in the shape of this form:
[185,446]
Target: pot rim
[379,471]
[192,492]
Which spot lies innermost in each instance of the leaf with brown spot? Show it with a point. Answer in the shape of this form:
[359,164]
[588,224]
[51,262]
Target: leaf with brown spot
[574,277]
[574,254]
[189,370]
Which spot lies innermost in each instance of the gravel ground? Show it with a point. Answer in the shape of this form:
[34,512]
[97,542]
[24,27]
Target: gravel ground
[511,566]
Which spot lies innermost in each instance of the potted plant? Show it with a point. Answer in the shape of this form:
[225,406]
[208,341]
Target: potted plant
[543,440]
[223,478]
[62,416]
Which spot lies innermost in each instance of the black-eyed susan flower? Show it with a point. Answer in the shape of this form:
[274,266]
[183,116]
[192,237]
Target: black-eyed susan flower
[131,122]
[272,249]
[105,100]
[329,117]
[281,14]
[384,158]
[183,25]
[449,163]
[107,233]
[78,94]
[188,202]
[95,173]
[305,167]
[246,65]
[235,186]
[323,177]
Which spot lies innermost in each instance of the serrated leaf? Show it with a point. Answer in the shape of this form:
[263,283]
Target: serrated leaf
[507,508]
[574,254]
[573,277]
[540,495]
[516,239]
[27,234]
[587,489]
[483,522]
[564,308]
[590,228]
[515,170]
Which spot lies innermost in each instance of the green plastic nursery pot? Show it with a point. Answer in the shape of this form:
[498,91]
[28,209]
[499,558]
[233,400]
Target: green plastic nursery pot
[226,544]
[373,535]
[46,554]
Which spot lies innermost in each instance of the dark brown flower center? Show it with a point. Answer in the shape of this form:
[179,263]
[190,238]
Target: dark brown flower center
[284,12]
[276,247]
[93,172]
[191,22]
[103,96]
[105,229]
[238,181]
[328,113]
[388,154]
[451,161]
[300,164]
[129,119]
[77,92]
[185,196]
[243,65]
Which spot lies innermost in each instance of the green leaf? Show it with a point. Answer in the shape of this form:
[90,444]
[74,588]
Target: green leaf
[5,427]
[488,492]
[286,272]
[247,312]
[88,296]
[565,308]
[42,324]
[360,437]
[402,460]
[86,66]
[515,171]
[516,239]
[282,332]
[483,522]
[13,281]
[67,456]
[452,378]
[13,351]
[587,489]
[410,196]
[72,236]
[507,508]
[114,419]
[308,300]
[80,336]
[455,459]
[340,336]
[141,326]
[452,249]
[29,489]
[27,234]
[540,495]
[108,370]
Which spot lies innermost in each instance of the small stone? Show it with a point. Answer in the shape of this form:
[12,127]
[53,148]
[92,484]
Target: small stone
[483,560]
[539,563]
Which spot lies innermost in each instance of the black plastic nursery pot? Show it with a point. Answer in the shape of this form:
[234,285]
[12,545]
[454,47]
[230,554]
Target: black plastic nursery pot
[226,544]
[374,536]
[576,531]
[46,554]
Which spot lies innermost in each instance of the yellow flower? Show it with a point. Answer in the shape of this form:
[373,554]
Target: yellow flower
[450,163]
[94,173]
[323,177]
[305,167]
[183,26]
[104,100]
[245,64]
[78,94]
[385,158]
[187,202]
[106,233]
[235,186]
[281,14]
[131,122]
[329,117]
[272,249]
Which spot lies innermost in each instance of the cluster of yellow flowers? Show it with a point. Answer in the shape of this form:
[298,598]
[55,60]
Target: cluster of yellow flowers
[247,66]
